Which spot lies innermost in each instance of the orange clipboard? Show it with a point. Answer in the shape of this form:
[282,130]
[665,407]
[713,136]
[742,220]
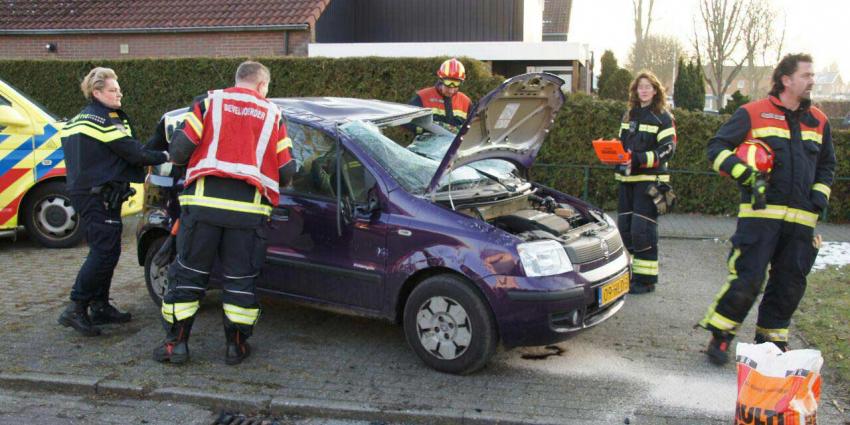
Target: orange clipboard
[610,151]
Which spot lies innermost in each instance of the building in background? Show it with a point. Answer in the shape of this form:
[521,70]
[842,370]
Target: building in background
[512,36]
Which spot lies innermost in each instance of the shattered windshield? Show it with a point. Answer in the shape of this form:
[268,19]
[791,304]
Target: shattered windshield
[415,166]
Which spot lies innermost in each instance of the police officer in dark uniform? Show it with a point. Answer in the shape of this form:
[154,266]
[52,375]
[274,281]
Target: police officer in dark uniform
[649,133]
[102,158]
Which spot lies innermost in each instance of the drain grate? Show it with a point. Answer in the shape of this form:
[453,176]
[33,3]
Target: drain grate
[230,418]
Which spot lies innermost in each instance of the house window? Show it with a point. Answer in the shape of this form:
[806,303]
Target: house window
[741,84]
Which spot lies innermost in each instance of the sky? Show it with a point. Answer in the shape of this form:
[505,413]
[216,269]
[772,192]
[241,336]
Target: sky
[818,27]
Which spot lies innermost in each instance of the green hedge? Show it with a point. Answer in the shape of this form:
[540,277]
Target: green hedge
[585,118]
[152,87]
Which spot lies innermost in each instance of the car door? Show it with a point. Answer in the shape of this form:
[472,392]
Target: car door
[312,256]
[16,159]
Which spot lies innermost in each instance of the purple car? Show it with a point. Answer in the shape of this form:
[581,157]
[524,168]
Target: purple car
[446,236]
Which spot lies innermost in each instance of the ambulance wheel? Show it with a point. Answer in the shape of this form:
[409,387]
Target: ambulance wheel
[49,217]
[155,275]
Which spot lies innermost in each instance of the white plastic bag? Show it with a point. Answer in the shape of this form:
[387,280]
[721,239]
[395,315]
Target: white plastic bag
[776,387]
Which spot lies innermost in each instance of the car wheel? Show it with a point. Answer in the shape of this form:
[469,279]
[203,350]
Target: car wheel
[449,325]
[49,217]
[155,276]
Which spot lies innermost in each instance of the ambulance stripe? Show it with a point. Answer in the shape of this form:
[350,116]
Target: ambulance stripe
[58,171]
[55,158]
[49,131]
[10,211]
[12,176]
[15,156]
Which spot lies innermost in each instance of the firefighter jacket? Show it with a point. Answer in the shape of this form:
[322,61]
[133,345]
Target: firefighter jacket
[100,146]
[238,139]
[449,111]
[804,162]
[651,137]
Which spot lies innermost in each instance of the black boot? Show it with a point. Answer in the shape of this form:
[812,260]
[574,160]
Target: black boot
[76,316]
[175,348]
[103,313]
[718,347]
[238,348]
[782,345]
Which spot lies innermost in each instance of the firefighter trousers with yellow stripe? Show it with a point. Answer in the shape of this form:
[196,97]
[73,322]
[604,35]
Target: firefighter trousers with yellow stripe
[785,246]
[637,220]
[240,252]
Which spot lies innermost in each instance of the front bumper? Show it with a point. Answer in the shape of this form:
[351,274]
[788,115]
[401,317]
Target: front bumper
[530,317]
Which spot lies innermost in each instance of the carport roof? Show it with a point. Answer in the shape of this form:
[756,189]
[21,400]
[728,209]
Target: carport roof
[177,15]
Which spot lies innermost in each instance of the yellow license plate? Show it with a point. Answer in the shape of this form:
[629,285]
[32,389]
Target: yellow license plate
[614,289]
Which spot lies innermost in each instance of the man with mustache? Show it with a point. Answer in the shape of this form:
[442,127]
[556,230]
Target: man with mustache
[780,234]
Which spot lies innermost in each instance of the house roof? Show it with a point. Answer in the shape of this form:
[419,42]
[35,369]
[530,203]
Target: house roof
[101,16]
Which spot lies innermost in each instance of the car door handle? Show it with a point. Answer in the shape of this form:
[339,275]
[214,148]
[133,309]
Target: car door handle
[280,214]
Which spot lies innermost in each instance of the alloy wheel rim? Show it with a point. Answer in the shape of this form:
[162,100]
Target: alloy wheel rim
[443,327]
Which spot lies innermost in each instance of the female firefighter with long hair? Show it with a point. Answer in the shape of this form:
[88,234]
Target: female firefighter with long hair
[648,132]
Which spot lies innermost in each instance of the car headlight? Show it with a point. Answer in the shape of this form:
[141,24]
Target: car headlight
[610,220]
[544,258]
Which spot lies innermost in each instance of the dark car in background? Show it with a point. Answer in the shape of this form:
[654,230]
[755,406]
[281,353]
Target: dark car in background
[446,236]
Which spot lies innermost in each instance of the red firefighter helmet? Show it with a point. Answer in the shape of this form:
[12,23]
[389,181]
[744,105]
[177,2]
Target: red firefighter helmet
[452,69]
[757,154]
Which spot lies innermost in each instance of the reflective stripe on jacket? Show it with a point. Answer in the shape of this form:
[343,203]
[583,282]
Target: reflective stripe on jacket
[100,146]
[804,162]
[238,135]
[652,139]
[447,110]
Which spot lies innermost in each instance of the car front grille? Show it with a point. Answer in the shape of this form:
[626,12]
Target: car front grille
[589,248]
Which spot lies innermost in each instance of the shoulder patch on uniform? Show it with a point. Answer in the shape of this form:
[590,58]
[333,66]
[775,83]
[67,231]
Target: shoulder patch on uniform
[113,115]
[770,115]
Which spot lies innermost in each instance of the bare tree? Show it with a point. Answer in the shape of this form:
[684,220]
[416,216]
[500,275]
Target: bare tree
[718,39]
[641,32]
[760,43]
[660,53]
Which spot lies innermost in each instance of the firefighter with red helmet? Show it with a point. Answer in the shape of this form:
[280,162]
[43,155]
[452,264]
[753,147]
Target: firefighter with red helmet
[444,98]
[785,180]
[237,155]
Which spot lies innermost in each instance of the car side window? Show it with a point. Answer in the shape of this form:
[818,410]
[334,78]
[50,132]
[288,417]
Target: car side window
[313,152]
[358,179]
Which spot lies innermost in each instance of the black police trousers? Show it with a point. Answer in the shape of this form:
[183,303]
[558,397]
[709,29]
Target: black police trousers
[103,233]
[240,252]
[758,242]
[637,220]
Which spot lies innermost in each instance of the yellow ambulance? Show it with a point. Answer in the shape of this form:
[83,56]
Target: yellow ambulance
[32,174]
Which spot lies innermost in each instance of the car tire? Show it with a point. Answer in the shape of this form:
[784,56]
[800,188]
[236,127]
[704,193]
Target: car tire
[155,275]
[449,325]
[49,217]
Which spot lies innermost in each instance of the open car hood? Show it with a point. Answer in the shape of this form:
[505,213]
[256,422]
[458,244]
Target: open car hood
[508,123]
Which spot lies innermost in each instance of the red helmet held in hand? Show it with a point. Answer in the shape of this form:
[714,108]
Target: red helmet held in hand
[757,154]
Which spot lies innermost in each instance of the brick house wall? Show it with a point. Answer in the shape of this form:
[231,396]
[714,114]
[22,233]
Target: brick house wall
[161,45]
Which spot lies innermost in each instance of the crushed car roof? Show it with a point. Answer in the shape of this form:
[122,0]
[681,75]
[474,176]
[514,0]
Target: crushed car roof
[341,109]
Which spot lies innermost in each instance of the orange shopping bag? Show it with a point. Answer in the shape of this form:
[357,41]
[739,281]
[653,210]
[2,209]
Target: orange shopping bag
[776,388]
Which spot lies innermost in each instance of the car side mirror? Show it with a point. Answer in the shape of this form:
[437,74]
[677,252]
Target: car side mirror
[9,117]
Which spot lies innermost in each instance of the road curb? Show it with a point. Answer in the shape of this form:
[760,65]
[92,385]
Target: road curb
[278,406]
[50,382]
[216,401]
